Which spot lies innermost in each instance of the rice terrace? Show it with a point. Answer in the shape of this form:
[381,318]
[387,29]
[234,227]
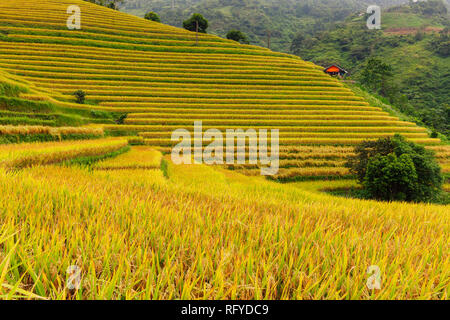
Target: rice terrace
[96,104]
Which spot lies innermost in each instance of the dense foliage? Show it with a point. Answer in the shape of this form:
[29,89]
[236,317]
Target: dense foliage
[391,177]
[196,23]
[237,35]
[152,16]
[112,4]
[80,96]
[395,169]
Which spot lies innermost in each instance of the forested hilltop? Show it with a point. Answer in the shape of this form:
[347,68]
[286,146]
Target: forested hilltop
[413,46]
[256,18]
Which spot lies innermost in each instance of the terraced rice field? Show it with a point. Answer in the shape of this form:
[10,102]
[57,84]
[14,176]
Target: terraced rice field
[17,134]
[208,233]
[163,79]
[17,156]
[138,158]
[141,227]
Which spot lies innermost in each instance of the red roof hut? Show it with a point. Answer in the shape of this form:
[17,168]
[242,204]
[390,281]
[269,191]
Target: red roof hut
[335,70]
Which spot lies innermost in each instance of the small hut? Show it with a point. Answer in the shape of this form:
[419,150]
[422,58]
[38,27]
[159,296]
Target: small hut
[335,70]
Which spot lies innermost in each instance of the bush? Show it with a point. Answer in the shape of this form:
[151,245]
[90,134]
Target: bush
[237,36]
[152,16]
[121,118]
[80,96]
[391,177]
[395,169]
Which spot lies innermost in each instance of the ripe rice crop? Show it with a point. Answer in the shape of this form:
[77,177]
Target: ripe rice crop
[96,77]
[99,54]
[23,130]
[135,68]
[137,158]
[289,117]
[65,72]
[244,102]
[320,225]
[131,46]
[26,155]
[159,128]
[309,85]
[205,93]
[273,123]
[311,163]
[229,99]
[201,112]
[64,33]
[291,141]
[293,173]
[167,134]
[201,107]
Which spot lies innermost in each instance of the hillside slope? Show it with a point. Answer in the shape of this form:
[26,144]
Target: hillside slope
[283,18]
[412,41]
[162,80]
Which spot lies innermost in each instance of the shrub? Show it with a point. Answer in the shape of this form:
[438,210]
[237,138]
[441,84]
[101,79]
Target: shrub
[80,96]
[237,36]
[121,118]
[152,16]
[383,167]
[391,177]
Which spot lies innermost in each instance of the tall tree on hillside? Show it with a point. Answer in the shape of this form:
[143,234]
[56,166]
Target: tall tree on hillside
[196,20]
[378,76]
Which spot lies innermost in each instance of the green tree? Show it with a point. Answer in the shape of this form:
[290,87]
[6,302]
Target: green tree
[378,76]
[152,16]
[391,178]
[193,21]
[80,96]
[238,36]
[112,4]
[377,164]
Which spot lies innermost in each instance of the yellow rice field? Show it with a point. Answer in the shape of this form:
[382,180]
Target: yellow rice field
[204,233]
[30,154]
[163,80]
[140,227]
[138,158]
[56,131]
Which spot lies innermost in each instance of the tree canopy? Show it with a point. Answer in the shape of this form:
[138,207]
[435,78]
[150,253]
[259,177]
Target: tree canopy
[395,169]
[191,23]
[152,16]
[237,35]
